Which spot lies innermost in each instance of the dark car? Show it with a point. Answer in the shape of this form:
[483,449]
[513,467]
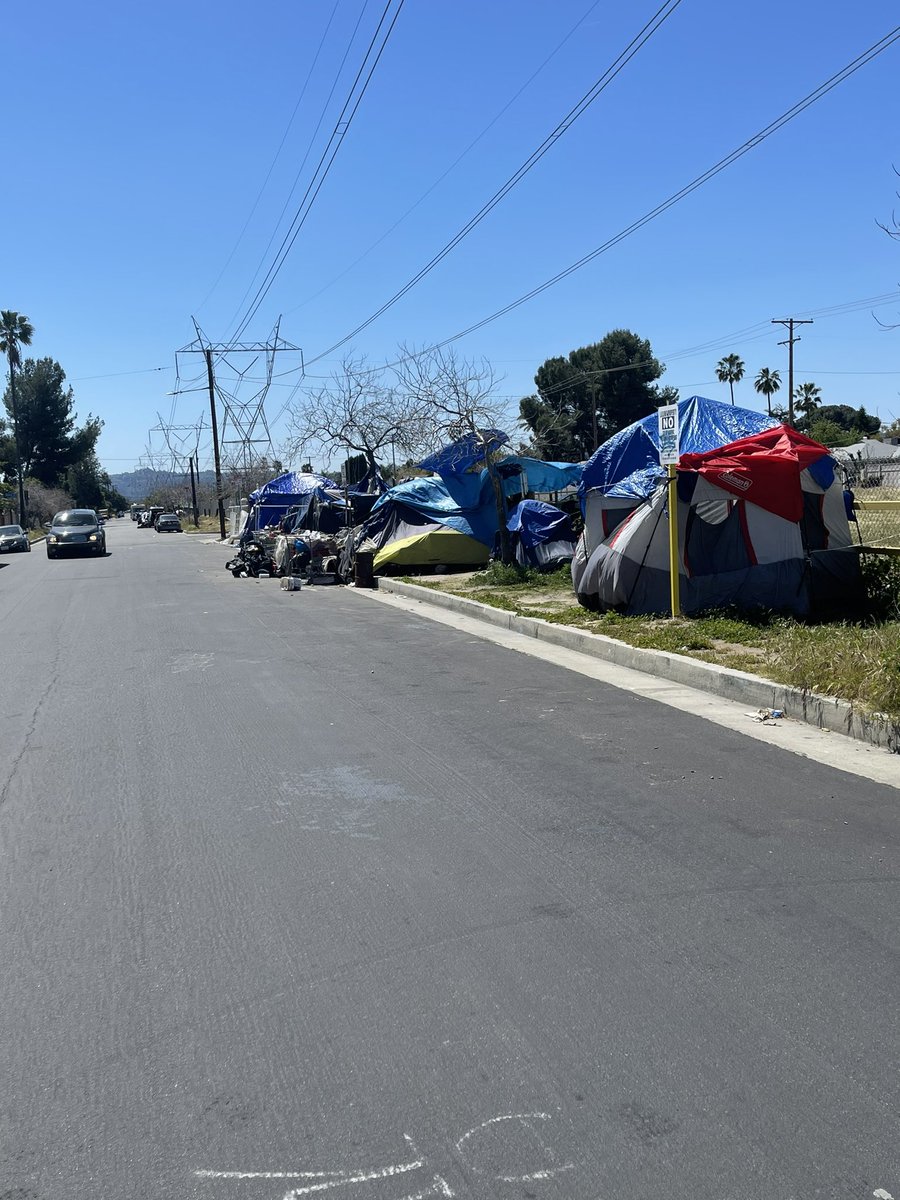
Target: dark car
[76,530]
[13,537]
[168,523]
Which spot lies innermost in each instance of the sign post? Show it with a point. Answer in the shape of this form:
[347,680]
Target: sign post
[669,452]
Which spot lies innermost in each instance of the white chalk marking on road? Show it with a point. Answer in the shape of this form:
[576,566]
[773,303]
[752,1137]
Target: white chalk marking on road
[881,1194]
[830,749]
[549,1173]
[204,1174]
[358,1177]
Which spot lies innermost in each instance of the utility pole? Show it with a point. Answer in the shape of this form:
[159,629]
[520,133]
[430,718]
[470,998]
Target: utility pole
[790,322]
[194,491]
[215,439]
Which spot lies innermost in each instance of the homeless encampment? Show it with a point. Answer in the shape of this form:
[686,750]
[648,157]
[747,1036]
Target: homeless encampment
[451,519]
[761,524]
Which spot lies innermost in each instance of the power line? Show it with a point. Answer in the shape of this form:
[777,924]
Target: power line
[823,89]
[303,161]
[635,45]
[440,179]
[342,125]
[264,183]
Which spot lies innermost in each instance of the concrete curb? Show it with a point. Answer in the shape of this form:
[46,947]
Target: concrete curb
[824,712]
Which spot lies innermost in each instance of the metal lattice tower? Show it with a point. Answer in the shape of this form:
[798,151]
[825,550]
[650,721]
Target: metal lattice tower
[245,437]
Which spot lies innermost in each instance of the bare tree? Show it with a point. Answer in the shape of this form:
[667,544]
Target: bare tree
[457,397]
[360,411]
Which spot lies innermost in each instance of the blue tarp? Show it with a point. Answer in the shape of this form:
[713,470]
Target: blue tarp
[293,489]
[459,457]
[461,502]
[291,483]
[627,464]
[536,522]
[541,476]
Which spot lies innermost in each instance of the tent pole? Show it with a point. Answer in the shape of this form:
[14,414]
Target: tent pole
[674,579]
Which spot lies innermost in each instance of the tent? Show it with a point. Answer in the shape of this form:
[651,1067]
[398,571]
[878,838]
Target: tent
[542,535]
[761,523]
[292,490]
[625,470]
[434,520]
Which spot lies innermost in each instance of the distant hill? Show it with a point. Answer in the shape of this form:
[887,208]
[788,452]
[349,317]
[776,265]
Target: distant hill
[137,485]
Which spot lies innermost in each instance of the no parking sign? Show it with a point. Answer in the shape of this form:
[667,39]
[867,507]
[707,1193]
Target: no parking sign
[667,417]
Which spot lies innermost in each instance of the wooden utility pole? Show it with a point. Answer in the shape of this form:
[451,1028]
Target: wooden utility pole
[790,322]
[215,439]
[194,514]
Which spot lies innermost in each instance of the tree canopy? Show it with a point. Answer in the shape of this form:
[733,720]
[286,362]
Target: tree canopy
[49,442]
[586,397]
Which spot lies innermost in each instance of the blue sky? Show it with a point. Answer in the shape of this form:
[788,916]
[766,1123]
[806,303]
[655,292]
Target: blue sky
[158,146]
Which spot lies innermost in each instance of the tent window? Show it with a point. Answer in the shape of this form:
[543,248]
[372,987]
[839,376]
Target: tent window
[716,538]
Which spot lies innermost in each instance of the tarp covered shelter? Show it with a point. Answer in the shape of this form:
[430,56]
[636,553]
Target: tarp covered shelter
[434,520]
[541,534]
[452,518]
[627,464]
[761,523]
[292,490]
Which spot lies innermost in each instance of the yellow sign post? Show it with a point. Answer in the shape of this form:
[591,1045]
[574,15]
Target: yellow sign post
[674,576]
[669,453]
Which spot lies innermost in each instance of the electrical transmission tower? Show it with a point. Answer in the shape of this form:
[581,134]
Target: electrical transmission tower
[245,442]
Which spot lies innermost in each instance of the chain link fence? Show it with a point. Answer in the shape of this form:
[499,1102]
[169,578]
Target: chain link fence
[875,484]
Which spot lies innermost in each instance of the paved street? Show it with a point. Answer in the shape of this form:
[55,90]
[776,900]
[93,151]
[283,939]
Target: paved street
[300,893]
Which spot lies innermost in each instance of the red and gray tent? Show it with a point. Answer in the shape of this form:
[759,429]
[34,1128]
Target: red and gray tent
[761,524]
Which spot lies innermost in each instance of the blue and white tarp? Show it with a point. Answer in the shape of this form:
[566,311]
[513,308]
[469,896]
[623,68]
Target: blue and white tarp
[627,465]
[542,535]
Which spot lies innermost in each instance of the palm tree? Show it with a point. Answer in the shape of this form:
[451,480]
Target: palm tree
[730,370]
[15,331]
[806,399]
[767,384]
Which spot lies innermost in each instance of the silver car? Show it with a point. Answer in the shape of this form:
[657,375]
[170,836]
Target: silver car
[13,537]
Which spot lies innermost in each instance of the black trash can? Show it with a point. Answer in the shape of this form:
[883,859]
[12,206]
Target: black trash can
[363,573]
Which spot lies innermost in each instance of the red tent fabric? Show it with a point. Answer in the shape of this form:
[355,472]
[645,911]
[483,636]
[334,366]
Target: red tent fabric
[763,468]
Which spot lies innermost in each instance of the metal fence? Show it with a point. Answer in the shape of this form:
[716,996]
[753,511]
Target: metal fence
[875,484]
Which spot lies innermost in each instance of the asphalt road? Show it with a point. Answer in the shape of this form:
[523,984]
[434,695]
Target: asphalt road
[300,894]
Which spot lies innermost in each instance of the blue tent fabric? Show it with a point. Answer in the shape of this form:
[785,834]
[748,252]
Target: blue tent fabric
[536,522]
[293,489]
[461,502]
[627,465]
[291,483]
[542,535]
[462,455]
[541,476]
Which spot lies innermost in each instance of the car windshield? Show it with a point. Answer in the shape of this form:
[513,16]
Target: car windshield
[75,518]
[10,530]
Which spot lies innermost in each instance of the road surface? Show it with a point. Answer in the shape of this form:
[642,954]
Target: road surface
[304,895]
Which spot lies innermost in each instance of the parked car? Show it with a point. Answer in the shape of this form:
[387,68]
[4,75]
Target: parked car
[13,537]
[168,523]
[147,519]
[78,530]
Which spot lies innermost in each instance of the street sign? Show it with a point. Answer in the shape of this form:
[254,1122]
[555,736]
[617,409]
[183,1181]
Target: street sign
[667,417]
